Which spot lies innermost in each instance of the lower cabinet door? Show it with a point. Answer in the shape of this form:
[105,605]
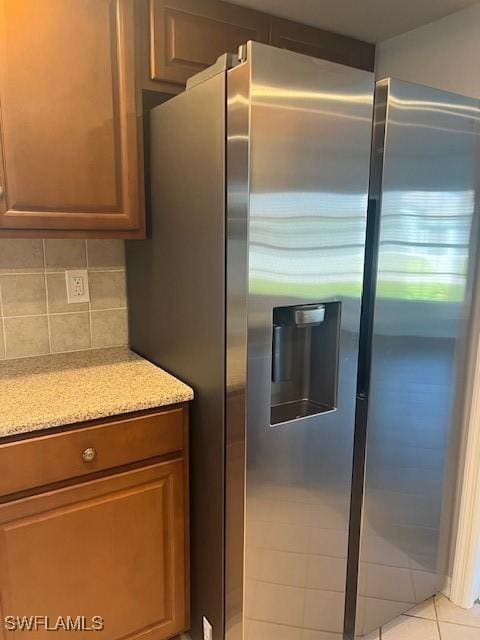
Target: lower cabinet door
[108,553]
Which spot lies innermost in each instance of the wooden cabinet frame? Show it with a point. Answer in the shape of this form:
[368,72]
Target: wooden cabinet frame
[97,189]
[174,56]
[75,526]
[178,45]
[114,543]
[126,217]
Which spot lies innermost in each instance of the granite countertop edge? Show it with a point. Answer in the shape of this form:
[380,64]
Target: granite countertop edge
[44,392]
[75,419]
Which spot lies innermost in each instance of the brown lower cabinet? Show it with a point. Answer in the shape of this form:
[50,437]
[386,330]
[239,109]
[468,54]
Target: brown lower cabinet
[107,550]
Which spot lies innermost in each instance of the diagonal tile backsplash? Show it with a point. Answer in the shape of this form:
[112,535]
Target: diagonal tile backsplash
[35,317]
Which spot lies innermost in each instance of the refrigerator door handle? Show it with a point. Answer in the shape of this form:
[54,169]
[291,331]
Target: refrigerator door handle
[368,299]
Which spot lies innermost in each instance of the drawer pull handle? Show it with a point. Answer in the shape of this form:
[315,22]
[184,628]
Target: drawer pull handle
[89,454]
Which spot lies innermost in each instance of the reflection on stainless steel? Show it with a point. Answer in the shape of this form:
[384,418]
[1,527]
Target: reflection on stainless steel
[238,107]
[425,265]
[309,142]
[257,243]
[176,284]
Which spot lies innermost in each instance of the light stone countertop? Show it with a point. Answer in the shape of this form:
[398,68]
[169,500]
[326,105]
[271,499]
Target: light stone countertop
[60,389]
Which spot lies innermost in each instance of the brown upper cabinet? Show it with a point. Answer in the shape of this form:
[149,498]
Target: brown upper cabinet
[71,80]
[188,35]
[321,44]
[70,133]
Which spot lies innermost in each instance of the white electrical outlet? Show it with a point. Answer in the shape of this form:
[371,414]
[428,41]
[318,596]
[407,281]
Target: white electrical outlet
[77,285]
[207,629]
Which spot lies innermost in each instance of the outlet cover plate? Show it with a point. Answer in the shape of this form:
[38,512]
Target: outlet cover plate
[77,286]
[207,629]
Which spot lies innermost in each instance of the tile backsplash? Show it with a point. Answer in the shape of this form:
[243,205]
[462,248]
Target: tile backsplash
[35,317]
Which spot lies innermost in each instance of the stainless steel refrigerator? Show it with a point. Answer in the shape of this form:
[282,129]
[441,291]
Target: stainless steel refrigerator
[249,287]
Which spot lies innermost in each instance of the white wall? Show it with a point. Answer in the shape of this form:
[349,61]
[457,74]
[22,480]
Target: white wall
[444,54]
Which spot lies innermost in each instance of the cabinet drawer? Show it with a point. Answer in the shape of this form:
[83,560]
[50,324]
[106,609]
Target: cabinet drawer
[42,460]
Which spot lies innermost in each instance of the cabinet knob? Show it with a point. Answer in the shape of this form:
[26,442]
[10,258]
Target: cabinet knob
[89,454]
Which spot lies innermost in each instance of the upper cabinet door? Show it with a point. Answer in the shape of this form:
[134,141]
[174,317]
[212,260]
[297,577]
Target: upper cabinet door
[70,144]
[322,44]
[189,35]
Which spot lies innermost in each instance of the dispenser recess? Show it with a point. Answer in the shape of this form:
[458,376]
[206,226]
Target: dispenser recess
[305,348]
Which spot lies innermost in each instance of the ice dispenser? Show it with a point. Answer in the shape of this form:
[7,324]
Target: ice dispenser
[305,346]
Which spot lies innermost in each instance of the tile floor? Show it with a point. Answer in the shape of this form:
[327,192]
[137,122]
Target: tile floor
[435,619]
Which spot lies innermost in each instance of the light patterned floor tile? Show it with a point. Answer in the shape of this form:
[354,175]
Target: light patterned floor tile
[458,632]
[409,628]
[423,610]
[448,612]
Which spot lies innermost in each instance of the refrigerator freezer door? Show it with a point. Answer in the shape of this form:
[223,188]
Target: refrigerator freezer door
[424,187]
[298,148]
